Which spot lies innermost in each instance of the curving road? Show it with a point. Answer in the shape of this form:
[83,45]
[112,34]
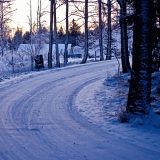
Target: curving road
[39,120]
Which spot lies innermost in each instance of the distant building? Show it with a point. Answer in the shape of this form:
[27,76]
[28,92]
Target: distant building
[35,49]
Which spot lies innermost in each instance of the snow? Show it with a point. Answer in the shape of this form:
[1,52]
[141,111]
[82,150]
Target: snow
[71,113]
[78,50]
[43,48]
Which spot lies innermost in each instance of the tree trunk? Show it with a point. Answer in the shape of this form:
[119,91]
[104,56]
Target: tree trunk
[66,42]
[100,32]
[55,35]
[51,36]
[124,41]
[124,38]
[31,36]
[84,60]
[140,84]
[2,29]
[108,55]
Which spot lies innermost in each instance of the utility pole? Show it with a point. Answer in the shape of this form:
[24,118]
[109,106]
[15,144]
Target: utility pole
[51,36]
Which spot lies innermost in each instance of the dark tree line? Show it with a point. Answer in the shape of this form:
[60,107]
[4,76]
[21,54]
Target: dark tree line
[24,38]
[73,32]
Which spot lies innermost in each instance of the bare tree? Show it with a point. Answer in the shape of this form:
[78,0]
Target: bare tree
[5,17]
[108,55]
[86,33]
[41,12]
[55,34]
[124,37]
[100,30]
[67,34]
[51,36]
[31,36]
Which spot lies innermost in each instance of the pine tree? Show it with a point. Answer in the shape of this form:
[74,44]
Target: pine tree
[60,32]
[74,29]
[17,38]
[26,37]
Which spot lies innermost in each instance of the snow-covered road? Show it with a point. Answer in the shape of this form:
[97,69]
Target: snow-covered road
[39,119]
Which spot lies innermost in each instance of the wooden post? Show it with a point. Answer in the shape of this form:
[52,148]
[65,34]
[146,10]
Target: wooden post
[12,65]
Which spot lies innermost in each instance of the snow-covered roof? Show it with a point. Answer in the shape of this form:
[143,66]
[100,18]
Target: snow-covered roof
[40,49]
[77,50]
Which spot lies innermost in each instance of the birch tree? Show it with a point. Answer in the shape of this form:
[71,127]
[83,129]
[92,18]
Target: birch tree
[5,17]
[41,12]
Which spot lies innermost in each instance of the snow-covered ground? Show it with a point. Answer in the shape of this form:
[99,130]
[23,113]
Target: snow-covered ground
[19,62]
[72,113]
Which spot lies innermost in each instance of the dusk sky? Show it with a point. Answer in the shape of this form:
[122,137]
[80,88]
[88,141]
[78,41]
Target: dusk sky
[20,17]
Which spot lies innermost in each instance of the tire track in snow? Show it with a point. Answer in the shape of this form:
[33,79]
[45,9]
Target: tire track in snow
[43,123]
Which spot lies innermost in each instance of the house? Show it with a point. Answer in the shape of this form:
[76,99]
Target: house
[36,49]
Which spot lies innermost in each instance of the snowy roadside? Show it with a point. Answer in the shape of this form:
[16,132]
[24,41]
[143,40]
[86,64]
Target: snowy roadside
[7,75]
[25,69]
[79,109]
[104,102]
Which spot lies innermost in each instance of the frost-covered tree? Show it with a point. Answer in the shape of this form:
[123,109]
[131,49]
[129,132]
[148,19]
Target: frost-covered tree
[66,2]
[40,26]
[140,83]
[6,13]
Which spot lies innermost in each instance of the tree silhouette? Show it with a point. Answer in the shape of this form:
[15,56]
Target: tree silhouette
[74,29]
